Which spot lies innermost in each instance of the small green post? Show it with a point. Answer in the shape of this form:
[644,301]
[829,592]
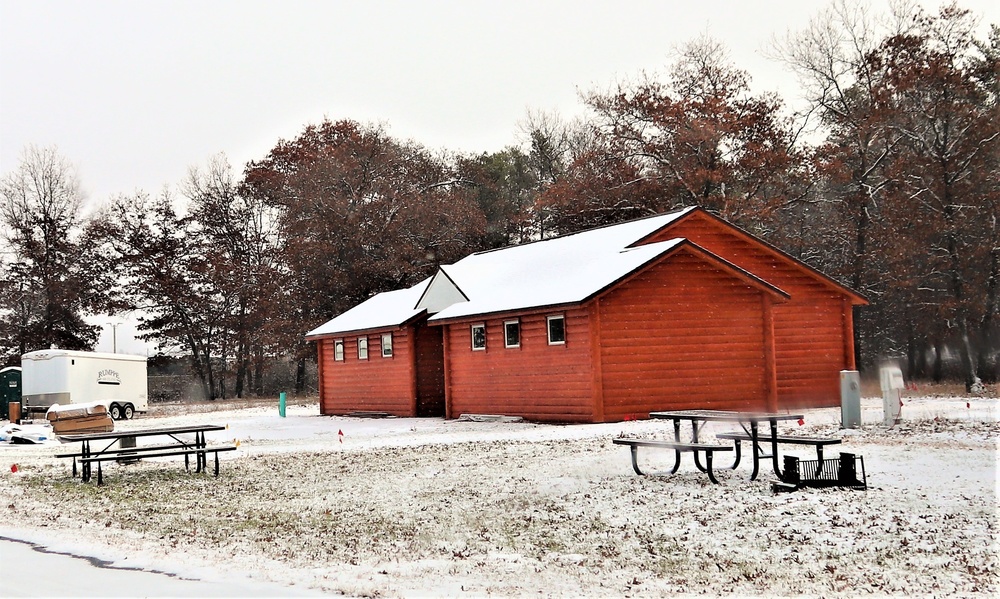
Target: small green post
[281,404]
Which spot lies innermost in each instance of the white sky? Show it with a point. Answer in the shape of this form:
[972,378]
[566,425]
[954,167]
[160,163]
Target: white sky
[134,93]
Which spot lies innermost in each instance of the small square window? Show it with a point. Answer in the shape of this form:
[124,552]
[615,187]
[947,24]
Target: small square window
[386,345]
[557,329]
[478,337]
[338,350]
[362,348]
[512,333]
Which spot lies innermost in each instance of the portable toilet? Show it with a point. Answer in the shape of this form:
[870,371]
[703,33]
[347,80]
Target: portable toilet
[10,389]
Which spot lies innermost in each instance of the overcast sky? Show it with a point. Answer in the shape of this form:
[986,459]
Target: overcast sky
[134,93]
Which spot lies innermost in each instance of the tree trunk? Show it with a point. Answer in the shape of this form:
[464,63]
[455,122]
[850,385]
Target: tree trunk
[937,370]
[241,349]
[987,369]
[259,372]
[911,354]
[862,221]
[965,351]
[300,377]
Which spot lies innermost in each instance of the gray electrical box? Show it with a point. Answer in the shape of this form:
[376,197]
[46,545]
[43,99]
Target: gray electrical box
[891,381]
[850,399]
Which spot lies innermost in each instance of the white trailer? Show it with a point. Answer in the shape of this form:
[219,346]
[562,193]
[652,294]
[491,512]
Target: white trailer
[59,376]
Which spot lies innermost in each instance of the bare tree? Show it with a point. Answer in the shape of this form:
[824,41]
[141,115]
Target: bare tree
[243,238]
[46,286]
[830,59]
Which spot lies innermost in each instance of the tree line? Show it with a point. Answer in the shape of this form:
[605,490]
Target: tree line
[887,180]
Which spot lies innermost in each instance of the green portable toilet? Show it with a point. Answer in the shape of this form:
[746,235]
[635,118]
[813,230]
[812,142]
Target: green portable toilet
[10,389]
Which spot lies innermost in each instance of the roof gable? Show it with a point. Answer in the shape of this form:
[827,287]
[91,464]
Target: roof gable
[855,297]
[440,293]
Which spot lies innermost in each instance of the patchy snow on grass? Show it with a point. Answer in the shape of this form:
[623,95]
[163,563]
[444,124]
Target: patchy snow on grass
[427,507]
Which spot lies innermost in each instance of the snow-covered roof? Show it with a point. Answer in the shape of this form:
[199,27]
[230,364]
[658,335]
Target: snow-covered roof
[558,271]
[497,282]
[390,309]
[561,270]
[48,354]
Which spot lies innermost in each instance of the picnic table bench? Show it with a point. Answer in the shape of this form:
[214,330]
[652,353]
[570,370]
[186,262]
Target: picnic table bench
[197,447]
[678,447]
[818,442]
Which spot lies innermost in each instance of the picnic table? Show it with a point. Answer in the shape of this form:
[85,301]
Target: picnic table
[128,450]
[750,422]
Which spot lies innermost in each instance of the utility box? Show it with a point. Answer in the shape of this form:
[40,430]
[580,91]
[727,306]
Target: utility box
[891,381]
[10,389]
[850,399]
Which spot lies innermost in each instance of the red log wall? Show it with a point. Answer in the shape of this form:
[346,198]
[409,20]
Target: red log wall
[810,330]
[682,334]
[538,381]
[377,384]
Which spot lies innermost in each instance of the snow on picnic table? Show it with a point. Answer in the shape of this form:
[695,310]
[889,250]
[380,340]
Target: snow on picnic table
[404,507]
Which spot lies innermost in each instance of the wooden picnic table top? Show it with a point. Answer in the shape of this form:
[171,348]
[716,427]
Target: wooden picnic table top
[725,415]
[145,432]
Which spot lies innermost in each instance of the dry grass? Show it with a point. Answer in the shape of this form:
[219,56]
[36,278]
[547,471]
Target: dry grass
[174,408]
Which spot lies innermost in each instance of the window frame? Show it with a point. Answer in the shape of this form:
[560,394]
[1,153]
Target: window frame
[548,328]
[363,346]
[338,350]
[506,335]
[472,331]
[385,345]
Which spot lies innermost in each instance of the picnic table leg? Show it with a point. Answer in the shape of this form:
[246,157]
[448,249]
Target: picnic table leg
[200,442]
[85,466]
[739,453]
[774,448]
[708,462]
[635,461]
[74,467]
[755,450]
[677,461]
[694,439]
[100,478]
[217,464]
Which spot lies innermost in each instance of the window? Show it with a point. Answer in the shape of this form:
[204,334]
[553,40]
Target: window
[512,333]
[478,337]
[338,350]
[362,348]
[557,329]
[386,345]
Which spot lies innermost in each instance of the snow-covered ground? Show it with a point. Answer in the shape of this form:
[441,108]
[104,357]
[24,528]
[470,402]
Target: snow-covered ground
[427,507]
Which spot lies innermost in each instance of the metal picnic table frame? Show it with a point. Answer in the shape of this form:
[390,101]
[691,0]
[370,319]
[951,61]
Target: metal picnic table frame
[749,421]
[86,453]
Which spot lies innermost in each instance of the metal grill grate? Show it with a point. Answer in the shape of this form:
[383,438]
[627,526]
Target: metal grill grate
[846,471]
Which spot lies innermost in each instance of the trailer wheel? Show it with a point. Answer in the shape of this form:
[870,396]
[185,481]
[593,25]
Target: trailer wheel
[129,412]
[115,411]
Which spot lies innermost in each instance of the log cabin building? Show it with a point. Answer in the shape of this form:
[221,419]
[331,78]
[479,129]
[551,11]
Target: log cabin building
[680,310]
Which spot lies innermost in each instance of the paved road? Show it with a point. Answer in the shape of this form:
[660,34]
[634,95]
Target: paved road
[27,570]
